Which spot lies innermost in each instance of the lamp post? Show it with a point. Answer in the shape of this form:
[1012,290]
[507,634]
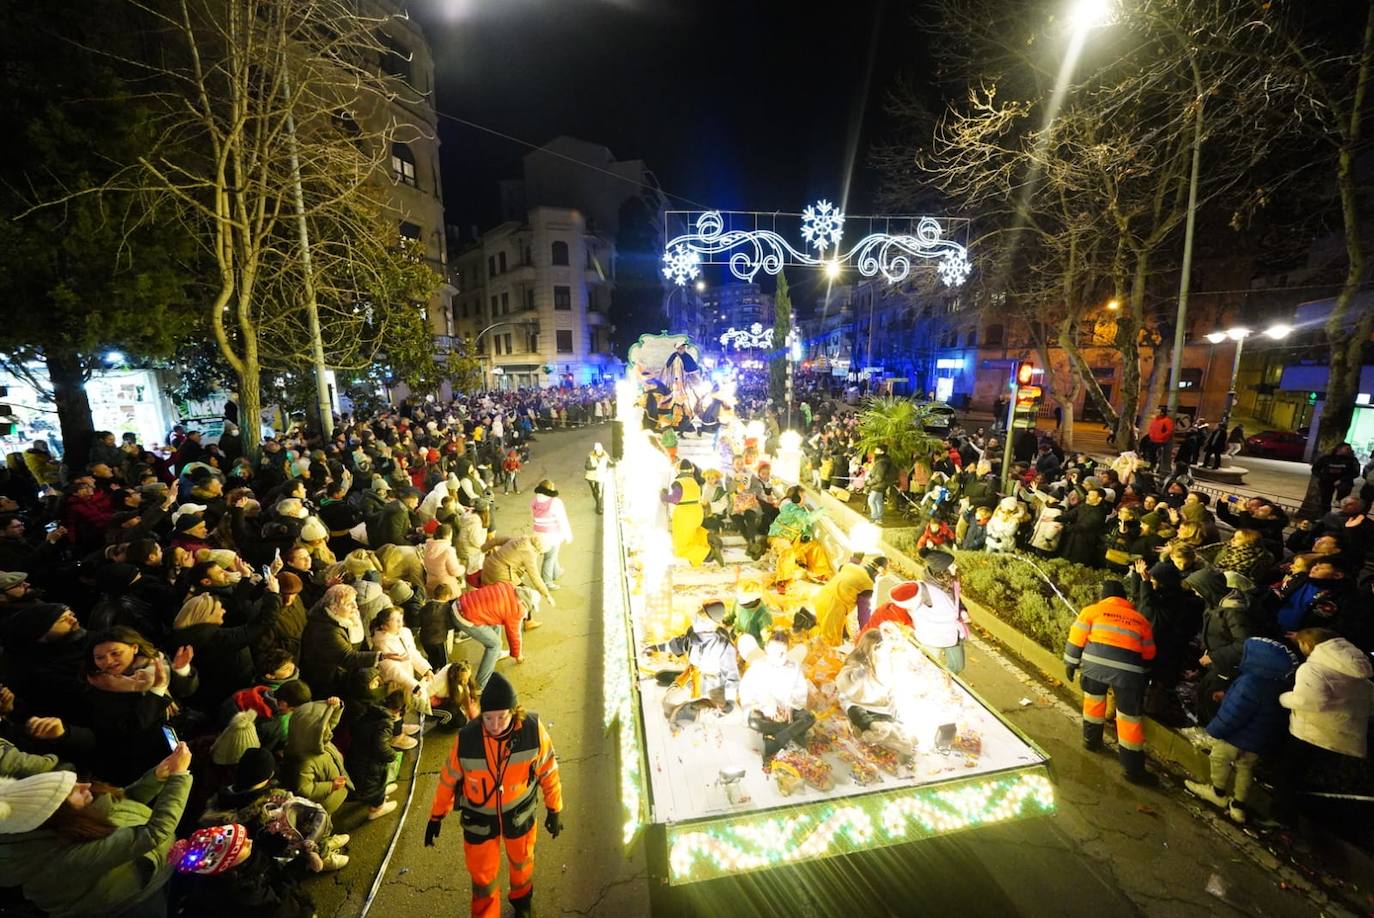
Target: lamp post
[477,339]
[1239,334]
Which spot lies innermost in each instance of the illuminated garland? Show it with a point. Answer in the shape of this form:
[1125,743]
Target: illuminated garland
[768,840]
[749,251]
[618,702]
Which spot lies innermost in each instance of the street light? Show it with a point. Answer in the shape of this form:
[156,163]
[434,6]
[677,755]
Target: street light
[1089,14]
[1113,305]
[701,286]
[832,269]
[1276,332]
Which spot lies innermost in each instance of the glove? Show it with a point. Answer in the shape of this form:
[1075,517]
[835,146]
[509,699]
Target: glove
[1069,670]
[432,831]
[553,823]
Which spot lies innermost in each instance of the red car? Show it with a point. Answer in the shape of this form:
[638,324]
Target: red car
[1277,444]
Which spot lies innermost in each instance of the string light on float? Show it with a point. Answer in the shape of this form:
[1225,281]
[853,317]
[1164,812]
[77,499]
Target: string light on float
[787,465]
[761,843]
[864,538]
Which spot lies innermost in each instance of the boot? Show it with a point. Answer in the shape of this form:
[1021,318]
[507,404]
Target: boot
[717,552]
[1205,791]
[524,906]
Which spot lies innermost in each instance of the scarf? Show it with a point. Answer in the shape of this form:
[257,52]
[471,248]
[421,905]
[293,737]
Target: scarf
[144,675]
[353,624]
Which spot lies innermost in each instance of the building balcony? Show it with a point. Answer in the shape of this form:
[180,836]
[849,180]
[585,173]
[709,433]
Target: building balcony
[593,276]
[519,272]
[597,318]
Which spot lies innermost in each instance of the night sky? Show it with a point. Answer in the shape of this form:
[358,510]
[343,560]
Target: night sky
[735,104]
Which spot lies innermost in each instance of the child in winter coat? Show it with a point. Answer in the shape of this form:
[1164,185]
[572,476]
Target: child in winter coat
[289,827]
[314,764]
[1331,701]
[937,534]
[373,763]
[1001,529]
[225,873]
[436,625]
[976,535]
[510,466]
[1249,723]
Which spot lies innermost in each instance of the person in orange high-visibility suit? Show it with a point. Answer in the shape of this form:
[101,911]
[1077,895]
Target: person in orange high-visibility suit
[492,771]
[1113,644]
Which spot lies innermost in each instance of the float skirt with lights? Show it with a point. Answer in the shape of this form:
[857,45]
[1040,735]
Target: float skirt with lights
[697,793]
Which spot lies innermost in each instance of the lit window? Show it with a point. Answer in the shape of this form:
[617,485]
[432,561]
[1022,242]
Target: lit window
[403,165]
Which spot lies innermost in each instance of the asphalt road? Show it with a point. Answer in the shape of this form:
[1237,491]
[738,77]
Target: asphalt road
[1110,849]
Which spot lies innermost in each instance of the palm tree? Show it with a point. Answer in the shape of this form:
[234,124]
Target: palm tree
[898,425]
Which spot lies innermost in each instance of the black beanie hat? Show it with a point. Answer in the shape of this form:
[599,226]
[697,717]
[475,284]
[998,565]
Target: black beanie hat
[937,562]
[498,694]
[31,623]
[256,766]
[1113,588]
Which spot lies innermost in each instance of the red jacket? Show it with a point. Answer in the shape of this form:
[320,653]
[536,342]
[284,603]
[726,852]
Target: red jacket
[1161,429]
[495,604]
[87,518]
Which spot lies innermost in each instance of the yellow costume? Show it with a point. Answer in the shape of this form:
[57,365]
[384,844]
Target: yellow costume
[837,599]
[689,538]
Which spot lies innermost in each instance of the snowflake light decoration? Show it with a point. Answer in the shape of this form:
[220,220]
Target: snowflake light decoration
[756,336]
[681,264]
[954,268]
[822,225]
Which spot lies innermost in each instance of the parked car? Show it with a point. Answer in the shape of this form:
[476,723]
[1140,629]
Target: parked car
[1277,444]
[941,416]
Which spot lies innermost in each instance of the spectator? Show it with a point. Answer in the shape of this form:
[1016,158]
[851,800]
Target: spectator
[77,849]
[1335,473]
[1331,702]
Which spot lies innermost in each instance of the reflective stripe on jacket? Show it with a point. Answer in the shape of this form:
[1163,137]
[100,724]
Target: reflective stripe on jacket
[1110,638]
[497,778]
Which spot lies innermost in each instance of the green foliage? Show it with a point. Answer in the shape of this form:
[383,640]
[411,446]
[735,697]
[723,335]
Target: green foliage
[1009,587]
[637,300]
[86,272]
[898,426]
[782,326]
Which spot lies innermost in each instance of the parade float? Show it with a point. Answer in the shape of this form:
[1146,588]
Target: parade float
[698,788]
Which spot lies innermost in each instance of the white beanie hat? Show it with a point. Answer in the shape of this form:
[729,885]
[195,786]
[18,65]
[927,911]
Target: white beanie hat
[235,739]
[25,804]
[313,530]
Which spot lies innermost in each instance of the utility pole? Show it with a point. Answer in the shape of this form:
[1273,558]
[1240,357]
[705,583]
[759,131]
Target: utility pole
[1181,322]
[312,308]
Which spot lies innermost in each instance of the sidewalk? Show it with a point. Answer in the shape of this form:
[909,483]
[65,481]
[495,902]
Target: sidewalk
[1277,479]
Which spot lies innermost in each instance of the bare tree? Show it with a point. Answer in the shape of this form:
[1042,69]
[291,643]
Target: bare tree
[253,96]
[1084,177]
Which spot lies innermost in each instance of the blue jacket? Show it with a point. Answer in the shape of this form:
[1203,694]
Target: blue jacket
[1250,716]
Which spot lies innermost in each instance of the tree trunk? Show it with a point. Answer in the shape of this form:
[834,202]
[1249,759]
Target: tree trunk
[1347,351]
[1155,387]
[73,408]
[1128,340]
[250,402]
[1085,376]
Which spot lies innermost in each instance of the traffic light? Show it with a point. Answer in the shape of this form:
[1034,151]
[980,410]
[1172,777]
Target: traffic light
[1025,373]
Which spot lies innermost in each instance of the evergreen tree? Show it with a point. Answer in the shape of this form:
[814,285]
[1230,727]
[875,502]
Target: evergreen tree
[83,269]
[782,327]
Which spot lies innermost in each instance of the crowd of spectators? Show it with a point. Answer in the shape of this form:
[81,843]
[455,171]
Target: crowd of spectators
[278,628]
[1210,571]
